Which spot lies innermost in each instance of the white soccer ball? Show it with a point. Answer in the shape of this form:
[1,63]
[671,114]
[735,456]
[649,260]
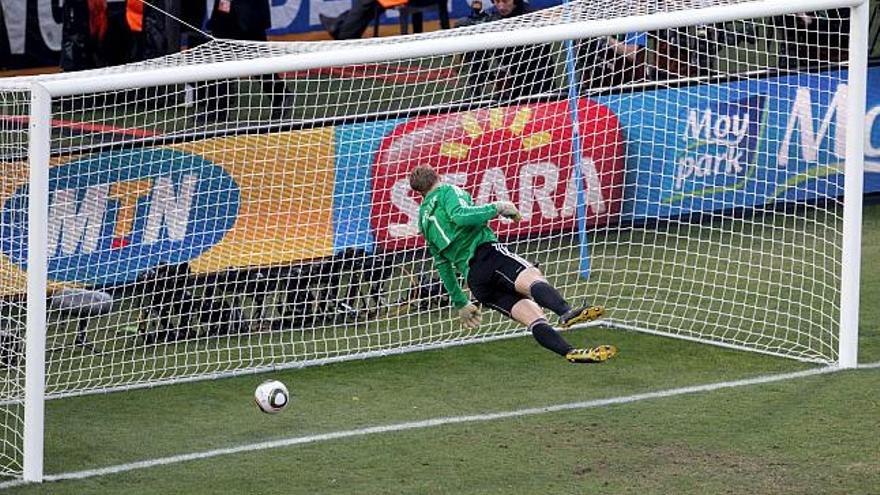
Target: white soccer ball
[271,396]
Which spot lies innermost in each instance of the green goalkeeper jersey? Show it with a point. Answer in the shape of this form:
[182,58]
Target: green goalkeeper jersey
[453,227]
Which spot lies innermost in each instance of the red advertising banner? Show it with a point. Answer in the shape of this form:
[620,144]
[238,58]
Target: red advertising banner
[520,153]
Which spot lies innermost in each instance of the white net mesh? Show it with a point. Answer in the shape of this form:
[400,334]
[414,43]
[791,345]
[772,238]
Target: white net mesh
[568,13]
[688,178]
[14,108]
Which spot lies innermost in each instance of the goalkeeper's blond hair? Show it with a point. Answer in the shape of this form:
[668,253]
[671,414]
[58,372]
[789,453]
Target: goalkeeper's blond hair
[422,179]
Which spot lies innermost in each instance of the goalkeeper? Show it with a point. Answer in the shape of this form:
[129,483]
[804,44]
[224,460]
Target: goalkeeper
[460,241]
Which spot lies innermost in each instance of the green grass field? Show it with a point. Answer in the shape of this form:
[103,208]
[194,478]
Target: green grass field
[422,422]
[809,435]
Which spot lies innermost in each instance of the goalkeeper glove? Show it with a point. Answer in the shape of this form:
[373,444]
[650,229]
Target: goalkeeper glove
[508,210]
[469,316]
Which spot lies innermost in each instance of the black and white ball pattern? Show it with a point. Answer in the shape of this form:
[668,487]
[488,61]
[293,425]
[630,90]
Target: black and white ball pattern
[271,396]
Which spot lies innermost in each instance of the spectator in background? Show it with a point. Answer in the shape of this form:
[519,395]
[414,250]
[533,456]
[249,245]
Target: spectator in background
[134,19]
[84,28]
[117,42]
[134,30]
[611,61]
[352,23]
[84,31]
[518,71]
[689,51]
[629,48]
[193,13]
[151,33]
[693,51]
[240,20]
[476,16]
[812,38]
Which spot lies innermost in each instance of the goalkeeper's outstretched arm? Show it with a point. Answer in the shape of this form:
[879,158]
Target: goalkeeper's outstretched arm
[461,210]
[458,206]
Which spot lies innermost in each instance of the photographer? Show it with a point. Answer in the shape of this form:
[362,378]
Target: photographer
[517,71]
[812,38]
[689,52]
[609,61]
[477,15]
[694,51]
[83,31]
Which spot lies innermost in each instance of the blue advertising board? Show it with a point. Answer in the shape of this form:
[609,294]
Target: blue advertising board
[113,214]
[747,143]
[356,146]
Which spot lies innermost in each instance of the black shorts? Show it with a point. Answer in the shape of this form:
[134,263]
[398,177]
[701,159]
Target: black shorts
[493,271]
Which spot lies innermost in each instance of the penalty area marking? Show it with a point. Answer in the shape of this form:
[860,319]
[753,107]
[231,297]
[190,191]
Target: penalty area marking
[430,423]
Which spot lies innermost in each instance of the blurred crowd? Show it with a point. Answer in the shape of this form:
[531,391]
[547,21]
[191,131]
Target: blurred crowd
[97,33]
[794,41]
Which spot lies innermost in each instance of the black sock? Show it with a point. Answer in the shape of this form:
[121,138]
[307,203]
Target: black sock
[548,297]
[549,338]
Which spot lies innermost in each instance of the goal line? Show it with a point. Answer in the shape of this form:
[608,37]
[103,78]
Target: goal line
[435,422]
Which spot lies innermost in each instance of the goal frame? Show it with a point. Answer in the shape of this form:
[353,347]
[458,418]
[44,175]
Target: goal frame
[43,93]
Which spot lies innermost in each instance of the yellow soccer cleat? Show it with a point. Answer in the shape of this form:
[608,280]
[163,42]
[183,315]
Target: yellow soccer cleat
[581,315]
[598,354]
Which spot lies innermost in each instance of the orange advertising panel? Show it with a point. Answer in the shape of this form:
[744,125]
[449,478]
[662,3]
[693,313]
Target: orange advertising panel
[219,203]
[286,205]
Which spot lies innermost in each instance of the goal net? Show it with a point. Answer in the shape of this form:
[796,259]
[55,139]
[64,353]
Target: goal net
[244,206]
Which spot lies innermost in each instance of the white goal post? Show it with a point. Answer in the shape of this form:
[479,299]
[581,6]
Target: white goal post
[240,207]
